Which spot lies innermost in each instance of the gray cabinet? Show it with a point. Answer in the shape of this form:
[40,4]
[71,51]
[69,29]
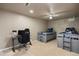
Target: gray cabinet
[59,40]
[75,45]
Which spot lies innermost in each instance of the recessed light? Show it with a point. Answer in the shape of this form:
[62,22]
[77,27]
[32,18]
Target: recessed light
[31,11]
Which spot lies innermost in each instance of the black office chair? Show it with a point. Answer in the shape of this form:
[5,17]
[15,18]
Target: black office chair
[23,38]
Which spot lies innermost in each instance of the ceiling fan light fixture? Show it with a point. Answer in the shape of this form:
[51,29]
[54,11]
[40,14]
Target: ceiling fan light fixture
[50,17]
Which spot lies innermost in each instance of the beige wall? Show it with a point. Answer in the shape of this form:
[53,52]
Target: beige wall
[11,21]
[60,25]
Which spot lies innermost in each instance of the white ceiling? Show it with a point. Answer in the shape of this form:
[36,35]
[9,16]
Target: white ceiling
[43,10]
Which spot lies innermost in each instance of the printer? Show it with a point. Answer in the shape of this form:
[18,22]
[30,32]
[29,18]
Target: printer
[47,35]
[69,39]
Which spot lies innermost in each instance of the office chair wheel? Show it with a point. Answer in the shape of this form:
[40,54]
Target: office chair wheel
[24,45]
[13,49]
[30,43]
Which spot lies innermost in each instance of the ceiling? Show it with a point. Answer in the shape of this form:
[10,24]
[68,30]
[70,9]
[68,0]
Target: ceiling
[43,10]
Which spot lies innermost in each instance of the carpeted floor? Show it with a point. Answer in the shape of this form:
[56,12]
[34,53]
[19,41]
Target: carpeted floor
[40,49]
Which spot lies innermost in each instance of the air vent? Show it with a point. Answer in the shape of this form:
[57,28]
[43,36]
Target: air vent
[27,4]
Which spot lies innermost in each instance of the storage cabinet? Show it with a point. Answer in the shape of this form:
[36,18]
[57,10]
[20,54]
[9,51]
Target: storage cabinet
[59,40]
[75,45]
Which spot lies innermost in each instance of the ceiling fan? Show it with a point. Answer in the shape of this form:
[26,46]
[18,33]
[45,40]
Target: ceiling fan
[50,14]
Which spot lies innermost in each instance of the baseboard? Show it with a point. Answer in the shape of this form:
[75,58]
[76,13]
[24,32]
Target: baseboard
[7,48]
